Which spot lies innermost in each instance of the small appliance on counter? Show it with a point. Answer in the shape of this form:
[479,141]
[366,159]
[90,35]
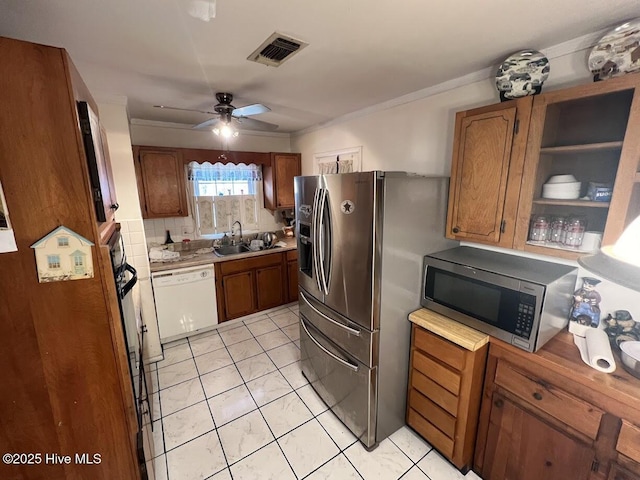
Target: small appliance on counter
[522,301]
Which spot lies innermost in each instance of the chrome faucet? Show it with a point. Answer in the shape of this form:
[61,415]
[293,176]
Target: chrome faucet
[232,233]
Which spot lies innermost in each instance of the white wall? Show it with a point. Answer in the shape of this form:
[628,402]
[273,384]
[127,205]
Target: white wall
[113,116]
[417,136]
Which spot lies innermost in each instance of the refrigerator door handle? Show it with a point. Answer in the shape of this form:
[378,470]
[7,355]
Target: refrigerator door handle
[332,355]
[322,239]
[316,244]
[353,331]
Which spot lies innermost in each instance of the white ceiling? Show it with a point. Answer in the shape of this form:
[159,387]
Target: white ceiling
[360,53]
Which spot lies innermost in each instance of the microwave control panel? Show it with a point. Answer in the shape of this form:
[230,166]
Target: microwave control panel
[526,315]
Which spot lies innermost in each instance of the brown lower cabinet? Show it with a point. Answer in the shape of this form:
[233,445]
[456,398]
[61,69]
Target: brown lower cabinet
[292,276]
[254,284]
[548,415]
[443,398]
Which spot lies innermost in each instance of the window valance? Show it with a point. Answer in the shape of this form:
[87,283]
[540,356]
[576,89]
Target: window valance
[224,172]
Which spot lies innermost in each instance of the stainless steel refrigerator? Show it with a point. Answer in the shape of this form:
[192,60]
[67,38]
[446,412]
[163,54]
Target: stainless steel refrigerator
[361,239]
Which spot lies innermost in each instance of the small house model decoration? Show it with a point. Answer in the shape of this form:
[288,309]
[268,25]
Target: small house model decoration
[63,255]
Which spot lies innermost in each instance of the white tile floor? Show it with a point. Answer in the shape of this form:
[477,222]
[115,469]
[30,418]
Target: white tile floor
[232,404]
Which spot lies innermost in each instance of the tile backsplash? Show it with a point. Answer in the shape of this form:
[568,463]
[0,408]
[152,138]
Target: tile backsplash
[184,227]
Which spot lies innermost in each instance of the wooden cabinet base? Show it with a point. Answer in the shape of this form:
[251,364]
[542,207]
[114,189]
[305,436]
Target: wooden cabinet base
[443,400]
[254,284]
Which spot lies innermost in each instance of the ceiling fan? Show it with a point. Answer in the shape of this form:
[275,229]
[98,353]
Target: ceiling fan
[227,114]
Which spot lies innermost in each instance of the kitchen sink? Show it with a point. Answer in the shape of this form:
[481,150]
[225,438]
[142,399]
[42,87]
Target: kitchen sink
[225,250]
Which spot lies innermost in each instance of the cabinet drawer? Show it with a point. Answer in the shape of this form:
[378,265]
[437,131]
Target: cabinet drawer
[427,430]
[242,265]
[574,412]
[439,348]
[434,392]
[629,441]
[436,372]
[436,415]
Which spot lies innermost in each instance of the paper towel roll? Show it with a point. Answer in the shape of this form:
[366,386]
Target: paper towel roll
[595,350]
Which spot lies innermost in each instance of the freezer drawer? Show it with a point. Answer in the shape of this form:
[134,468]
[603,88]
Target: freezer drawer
[348,387]
[349,336]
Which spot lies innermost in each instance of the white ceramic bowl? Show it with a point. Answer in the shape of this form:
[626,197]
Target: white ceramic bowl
[561,191]
[562,179]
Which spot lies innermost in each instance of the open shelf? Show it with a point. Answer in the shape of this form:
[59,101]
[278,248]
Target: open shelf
[582,148]
[571,203]
[555,250]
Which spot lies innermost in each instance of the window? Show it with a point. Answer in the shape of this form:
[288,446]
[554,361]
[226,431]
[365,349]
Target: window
[78,260]
[53,261]
[63,241]
[223,194]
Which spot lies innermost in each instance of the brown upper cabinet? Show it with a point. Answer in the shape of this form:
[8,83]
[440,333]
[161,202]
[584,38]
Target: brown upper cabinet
[161,182]
[278,180]
[504,153]
[590,132]
[488,157]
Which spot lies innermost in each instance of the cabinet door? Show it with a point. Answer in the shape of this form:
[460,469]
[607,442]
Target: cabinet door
[270,286]
[286,167]
[292,267]
[521,446]
[239,296]
[163,182]
[486,171]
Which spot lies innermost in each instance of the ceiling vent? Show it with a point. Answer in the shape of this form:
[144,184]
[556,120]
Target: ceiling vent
[276,49]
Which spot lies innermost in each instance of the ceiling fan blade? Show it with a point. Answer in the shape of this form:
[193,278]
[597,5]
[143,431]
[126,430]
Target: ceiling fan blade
[206,123]
[253,124]
[184,109]
[247,111]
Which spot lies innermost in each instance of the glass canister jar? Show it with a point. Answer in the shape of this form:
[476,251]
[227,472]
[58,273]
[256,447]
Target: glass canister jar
[540,229]
[574,231]
[557,229]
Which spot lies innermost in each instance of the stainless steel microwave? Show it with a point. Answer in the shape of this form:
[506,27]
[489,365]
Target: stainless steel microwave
[522,301]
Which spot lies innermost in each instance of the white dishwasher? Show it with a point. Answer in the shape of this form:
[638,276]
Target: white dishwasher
[185,301]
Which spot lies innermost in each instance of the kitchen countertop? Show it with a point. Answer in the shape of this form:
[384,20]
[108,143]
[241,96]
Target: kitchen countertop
[461,335]
[189,259]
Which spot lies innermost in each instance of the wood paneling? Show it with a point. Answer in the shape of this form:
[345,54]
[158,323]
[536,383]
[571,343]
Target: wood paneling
[446,328]
[447,352]
[435,392]
[61,381]
[629,441]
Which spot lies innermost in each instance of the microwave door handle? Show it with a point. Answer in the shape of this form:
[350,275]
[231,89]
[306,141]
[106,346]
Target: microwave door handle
[332,355]
[352,331]
[316,243]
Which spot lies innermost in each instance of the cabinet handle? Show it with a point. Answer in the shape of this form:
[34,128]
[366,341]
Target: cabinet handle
[456,230]
[537,396]
[499,403]
[115,206]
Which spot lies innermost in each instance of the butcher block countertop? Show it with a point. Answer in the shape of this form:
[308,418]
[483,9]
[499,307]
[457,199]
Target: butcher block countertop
[190,259]
[461,335]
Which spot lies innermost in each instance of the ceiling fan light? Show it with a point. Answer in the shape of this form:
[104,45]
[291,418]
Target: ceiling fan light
[225,130]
